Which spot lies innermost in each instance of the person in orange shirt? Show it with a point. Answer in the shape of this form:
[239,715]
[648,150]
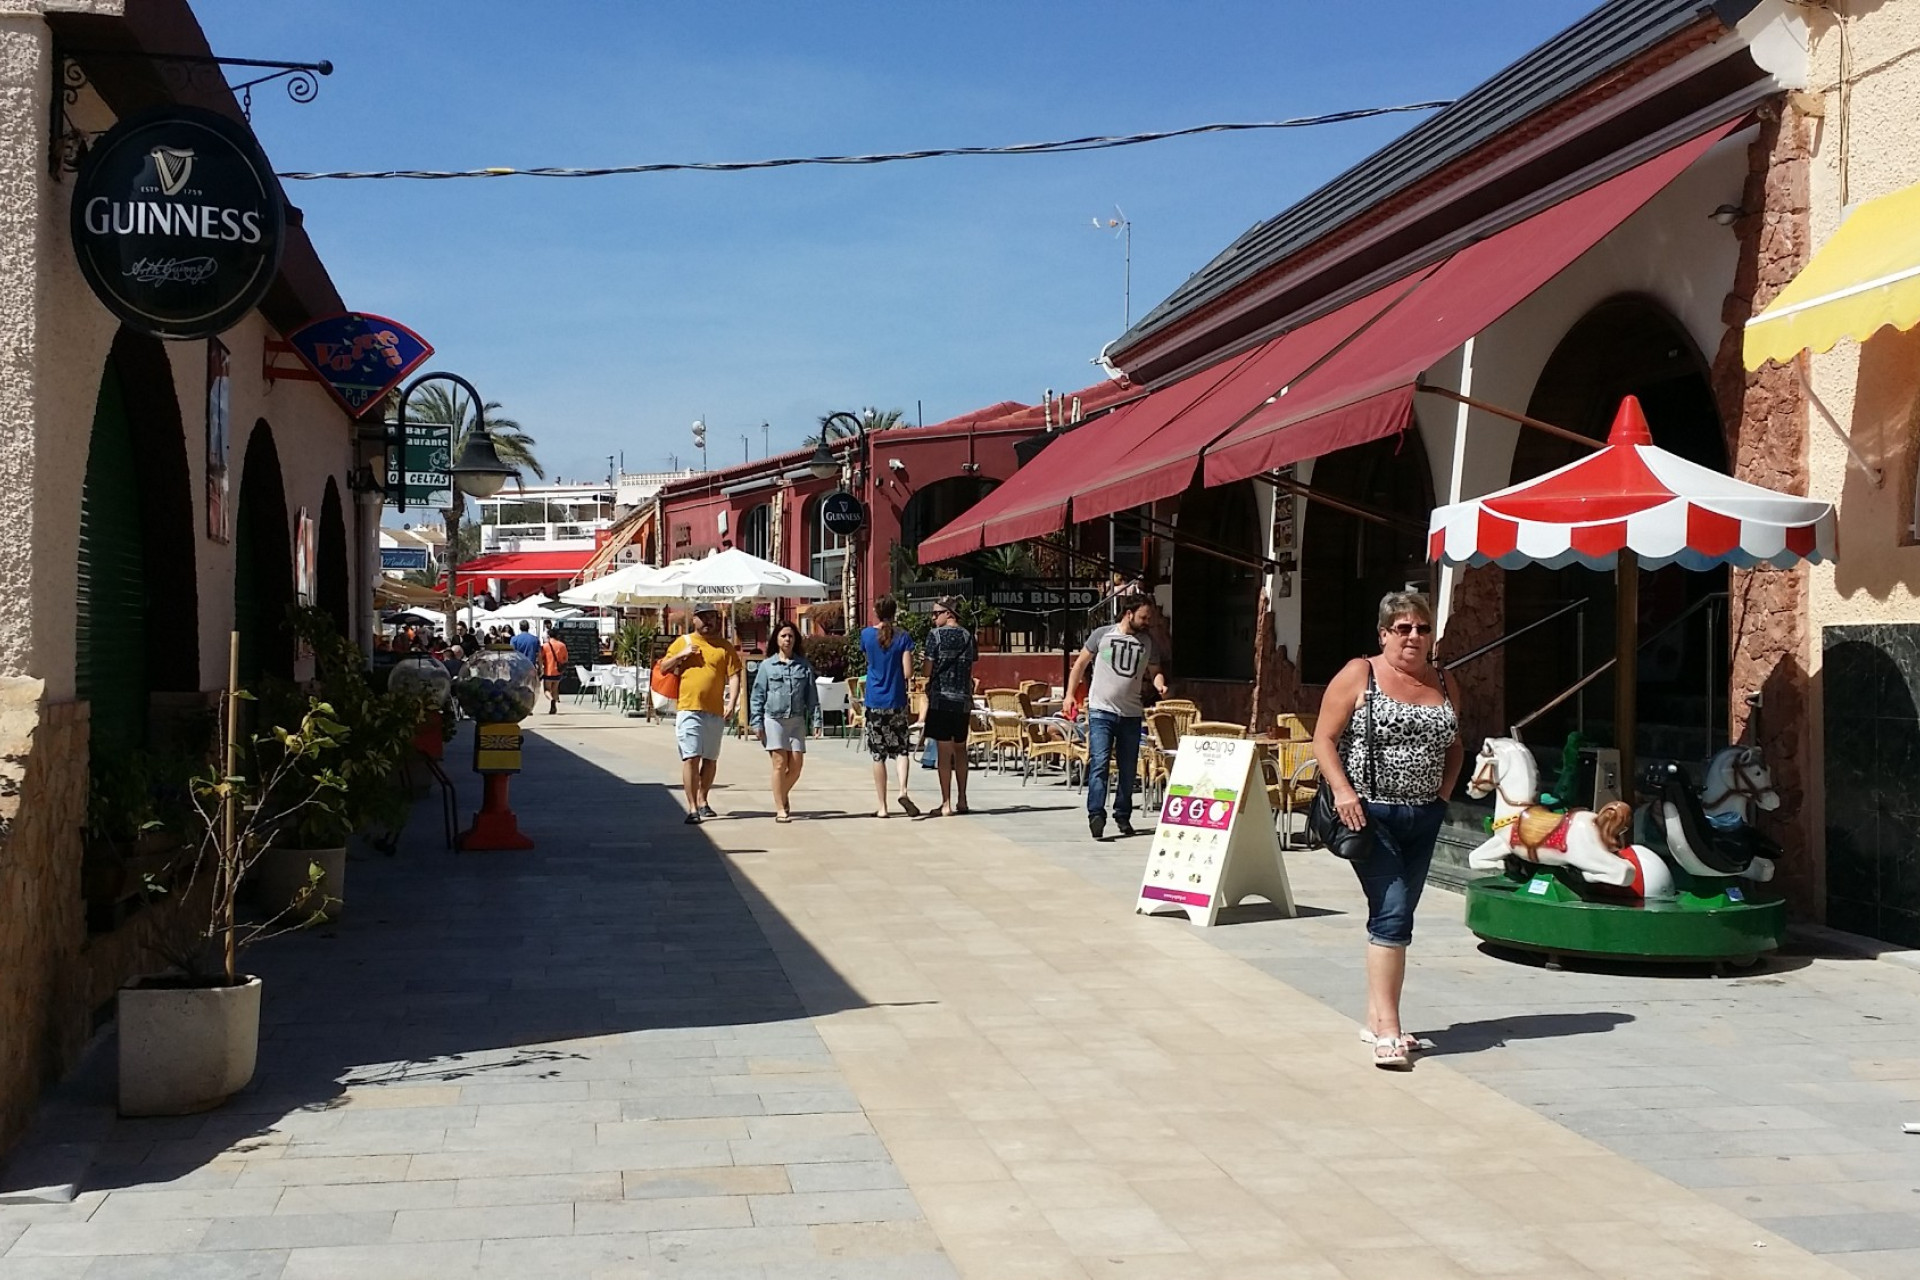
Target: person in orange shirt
[553,664]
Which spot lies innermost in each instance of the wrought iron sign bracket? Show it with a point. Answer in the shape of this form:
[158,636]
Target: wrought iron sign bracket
[180,71]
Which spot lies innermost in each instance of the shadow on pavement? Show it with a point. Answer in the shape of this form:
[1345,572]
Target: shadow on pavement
[478,968]
[1495,1033]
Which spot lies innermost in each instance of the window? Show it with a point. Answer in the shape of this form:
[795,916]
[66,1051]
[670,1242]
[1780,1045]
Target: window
[826,550]
[755,534]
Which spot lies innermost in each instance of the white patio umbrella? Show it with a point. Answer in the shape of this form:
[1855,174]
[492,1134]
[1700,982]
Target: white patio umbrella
[624,586]
[733,574]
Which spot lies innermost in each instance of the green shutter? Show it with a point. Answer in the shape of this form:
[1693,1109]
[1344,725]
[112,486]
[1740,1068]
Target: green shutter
[110,633]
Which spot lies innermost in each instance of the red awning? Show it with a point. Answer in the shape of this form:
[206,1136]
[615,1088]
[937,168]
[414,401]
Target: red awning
[1192,413]
[1033,502]
[521,564]
[1365,391]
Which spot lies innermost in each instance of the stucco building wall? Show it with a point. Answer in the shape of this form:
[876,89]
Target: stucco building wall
[1868,392]
[55,340]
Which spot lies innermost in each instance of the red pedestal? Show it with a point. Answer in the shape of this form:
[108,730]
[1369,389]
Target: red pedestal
[494,826]
[428,739]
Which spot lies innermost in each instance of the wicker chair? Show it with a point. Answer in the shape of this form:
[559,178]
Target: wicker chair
[1006,720]
[856,709]
[979,736]
[1184,713]
[1037,747]
[1217,729]
[1156,755]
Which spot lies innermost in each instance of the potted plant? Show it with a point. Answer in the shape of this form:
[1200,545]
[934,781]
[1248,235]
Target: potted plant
[305,873]
[189,1038]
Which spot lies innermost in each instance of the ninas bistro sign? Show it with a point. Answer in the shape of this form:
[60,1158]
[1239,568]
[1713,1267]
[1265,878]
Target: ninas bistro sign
[178,222]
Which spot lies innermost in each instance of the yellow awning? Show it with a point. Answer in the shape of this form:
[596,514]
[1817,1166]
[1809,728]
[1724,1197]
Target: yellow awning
[1866,277]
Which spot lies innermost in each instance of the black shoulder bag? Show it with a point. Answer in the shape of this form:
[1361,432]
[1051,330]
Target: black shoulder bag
[1323,820]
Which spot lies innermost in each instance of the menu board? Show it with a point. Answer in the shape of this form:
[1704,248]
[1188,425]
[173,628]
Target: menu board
[1214,845]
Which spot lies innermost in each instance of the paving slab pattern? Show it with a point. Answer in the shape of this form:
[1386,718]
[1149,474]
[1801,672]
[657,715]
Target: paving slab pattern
[584,1061]
[850,1048]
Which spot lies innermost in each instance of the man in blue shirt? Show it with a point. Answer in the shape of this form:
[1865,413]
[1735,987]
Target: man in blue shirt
[889,651]
[526,644]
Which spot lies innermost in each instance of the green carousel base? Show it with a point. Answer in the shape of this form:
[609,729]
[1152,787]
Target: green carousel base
[1722,921]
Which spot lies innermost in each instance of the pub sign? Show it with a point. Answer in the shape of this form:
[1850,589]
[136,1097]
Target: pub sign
[178,222]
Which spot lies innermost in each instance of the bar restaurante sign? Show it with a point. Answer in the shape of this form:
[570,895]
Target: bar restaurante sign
[178,222]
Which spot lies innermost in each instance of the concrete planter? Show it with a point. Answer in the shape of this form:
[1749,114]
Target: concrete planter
[282,881]
[186,1049]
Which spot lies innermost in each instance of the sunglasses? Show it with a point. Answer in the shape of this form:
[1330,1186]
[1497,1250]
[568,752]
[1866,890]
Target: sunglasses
[1412,628]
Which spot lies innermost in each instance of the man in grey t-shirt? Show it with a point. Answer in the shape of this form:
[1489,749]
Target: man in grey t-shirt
[1115,661]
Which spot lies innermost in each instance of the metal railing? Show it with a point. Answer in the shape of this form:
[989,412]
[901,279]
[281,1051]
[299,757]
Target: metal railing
[1707,603]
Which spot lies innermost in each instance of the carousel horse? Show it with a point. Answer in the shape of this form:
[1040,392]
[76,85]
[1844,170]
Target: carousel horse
[1707,834]
[1594,844]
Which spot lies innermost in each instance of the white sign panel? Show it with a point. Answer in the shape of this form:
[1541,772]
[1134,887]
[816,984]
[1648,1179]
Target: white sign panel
[1215,845]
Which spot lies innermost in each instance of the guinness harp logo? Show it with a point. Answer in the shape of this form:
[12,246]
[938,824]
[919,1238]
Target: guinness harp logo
[172,166]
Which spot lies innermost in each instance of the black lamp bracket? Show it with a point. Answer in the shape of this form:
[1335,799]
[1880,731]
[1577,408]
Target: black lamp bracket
[180,73]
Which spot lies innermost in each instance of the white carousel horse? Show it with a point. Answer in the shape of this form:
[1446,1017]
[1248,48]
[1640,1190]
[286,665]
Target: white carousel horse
[1738,788]
[1523,828]
[1738,784]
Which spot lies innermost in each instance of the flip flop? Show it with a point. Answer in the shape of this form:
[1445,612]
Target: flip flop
[913,810]
[783,817]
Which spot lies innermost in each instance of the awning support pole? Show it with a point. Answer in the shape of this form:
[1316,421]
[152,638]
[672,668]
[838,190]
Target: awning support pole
[1456,475]
[1626,675]
[1355,509]
[1498,411]
[1171,533]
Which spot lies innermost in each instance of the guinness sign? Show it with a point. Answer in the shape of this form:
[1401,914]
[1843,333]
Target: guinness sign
[178,222]
[842,513]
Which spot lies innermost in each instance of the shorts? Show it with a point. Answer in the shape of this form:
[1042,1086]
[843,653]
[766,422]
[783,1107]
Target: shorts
[1395,872]
[699,734]
[948,722]
[785,733]
[888,731]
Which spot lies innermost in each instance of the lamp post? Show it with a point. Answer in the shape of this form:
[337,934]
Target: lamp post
[478,472]
[825,466]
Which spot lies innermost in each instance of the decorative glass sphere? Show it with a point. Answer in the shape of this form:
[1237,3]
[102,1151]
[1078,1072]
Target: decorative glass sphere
[422,676]
[497,686]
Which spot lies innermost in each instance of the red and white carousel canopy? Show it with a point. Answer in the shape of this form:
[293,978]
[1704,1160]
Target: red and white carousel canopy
[1632,495]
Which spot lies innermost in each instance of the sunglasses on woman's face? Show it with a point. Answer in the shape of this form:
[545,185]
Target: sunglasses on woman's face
[1412,628]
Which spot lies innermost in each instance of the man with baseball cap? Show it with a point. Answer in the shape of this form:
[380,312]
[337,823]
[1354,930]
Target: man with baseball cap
[711,675]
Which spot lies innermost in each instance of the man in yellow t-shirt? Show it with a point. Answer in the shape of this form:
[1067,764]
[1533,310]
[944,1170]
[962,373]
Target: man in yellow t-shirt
[711,674]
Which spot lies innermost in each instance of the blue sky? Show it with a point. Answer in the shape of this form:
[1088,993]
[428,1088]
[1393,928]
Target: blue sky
[606,314]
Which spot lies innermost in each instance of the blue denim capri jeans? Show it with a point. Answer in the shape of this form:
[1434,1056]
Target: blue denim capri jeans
[1396,871]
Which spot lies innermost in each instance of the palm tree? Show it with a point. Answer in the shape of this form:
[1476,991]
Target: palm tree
[443,402]
[833,426]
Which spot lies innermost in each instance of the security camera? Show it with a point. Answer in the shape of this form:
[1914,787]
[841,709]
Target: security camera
[895,464]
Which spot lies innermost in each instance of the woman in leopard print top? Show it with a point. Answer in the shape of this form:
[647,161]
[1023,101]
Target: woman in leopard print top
[1388,744]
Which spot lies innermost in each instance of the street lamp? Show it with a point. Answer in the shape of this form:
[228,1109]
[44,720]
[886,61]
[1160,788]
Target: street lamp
[478,471]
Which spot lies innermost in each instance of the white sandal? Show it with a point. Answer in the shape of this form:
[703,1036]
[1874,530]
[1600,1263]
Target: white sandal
[1391,1055]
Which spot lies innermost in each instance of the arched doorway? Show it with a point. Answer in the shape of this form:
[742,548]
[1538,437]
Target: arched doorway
[931,508]
[262,563]
[1216,601]
[330,584]
[1347,561]
[136,620]
[1629,345]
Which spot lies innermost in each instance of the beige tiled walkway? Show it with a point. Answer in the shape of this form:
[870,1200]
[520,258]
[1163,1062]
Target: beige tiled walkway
[1074,1091]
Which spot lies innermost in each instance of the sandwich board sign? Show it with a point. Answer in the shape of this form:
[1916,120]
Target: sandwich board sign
[1214,845]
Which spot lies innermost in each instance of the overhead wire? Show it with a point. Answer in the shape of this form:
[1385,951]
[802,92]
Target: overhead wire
[1062,146]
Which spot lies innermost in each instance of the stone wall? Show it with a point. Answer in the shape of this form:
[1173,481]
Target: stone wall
[1767,413]
[1478,616]
[41,919]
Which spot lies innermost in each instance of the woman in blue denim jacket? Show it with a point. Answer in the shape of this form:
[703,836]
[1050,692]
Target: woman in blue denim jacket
[784,704]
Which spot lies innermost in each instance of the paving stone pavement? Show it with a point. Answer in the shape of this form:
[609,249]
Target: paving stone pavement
[848,1048]
[581,1062]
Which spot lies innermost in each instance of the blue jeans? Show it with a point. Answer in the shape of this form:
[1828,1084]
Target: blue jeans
[1112,739]
[1396,871]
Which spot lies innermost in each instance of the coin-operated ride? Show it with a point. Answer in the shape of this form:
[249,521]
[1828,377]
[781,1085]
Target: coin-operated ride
[498,689]
[1682,877]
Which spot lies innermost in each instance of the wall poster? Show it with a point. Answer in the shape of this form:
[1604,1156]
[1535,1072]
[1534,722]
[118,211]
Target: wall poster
[306,550]
[219,390]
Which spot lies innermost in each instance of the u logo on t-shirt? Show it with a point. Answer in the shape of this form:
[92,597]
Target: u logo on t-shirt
[1124,655]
